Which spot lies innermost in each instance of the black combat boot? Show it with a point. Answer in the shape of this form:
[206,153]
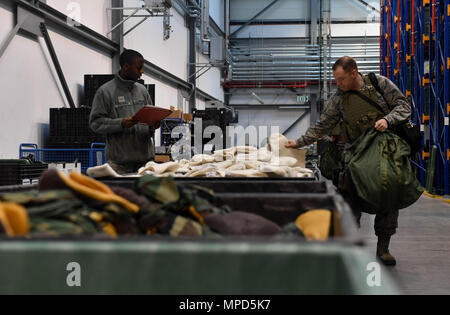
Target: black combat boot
[383,251]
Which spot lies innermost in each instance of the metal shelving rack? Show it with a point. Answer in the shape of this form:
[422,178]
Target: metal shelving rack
[415,54]
[416,74]
[446,102]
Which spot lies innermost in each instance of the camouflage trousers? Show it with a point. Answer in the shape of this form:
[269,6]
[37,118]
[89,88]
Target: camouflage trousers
[385,223]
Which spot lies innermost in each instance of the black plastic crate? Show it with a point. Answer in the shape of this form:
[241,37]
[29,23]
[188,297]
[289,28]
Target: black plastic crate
[15,172]
[213,117]
[92,82]
[71,125]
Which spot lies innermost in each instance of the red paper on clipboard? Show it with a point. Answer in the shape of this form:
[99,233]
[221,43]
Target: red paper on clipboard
[151,115]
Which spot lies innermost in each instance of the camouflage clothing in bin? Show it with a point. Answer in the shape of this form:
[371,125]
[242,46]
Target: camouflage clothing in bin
[185,209]
[61,213]
[182,208]
[55,213]
[169,209]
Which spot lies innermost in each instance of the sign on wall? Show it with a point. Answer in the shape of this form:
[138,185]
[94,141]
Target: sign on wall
[302,99]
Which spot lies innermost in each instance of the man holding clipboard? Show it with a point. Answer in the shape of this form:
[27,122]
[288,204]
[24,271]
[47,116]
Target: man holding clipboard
[129,137]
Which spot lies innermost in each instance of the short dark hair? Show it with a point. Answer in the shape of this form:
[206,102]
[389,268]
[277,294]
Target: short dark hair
[347,63]
[128,56]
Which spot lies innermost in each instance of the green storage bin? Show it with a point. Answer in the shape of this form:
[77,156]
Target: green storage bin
[182,267]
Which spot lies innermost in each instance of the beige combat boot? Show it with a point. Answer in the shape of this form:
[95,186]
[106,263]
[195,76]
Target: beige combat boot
[383,251]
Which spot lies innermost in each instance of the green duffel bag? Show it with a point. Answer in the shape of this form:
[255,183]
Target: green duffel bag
[377,164]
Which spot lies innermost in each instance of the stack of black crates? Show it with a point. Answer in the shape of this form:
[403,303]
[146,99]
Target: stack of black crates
[92,82]
[69,128]
[16,172]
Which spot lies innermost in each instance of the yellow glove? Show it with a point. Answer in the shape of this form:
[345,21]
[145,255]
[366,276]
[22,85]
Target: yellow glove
[315,224]
[14,219]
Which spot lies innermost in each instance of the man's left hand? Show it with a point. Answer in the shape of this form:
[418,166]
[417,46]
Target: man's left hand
[381,125]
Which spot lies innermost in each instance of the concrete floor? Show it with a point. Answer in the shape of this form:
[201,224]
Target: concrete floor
[421,246]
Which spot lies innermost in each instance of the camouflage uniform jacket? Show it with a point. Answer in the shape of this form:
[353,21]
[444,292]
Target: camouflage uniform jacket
[398,108]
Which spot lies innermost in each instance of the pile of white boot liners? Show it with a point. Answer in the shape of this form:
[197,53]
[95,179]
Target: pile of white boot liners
[274,160]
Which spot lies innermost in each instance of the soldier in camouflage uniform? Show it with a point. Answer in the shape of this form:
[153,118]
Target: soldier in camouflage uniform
[358,116]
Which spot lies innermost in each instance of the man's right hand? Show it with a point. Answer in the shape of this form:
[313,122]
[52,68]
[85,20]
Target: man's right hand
[291,144]
[129,122]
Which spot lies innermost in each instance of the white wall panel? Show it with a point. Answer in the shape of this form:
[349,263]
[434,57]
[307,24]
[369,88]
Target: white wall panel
[171,54]
[6,22]
[27,88]
[210,81]
[33,87]
[93,14]
[29,85]
[347,30]
[77,60]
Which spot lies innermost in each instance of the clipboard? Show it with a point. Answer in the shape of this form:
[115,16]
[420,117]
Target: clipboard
[151,115]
